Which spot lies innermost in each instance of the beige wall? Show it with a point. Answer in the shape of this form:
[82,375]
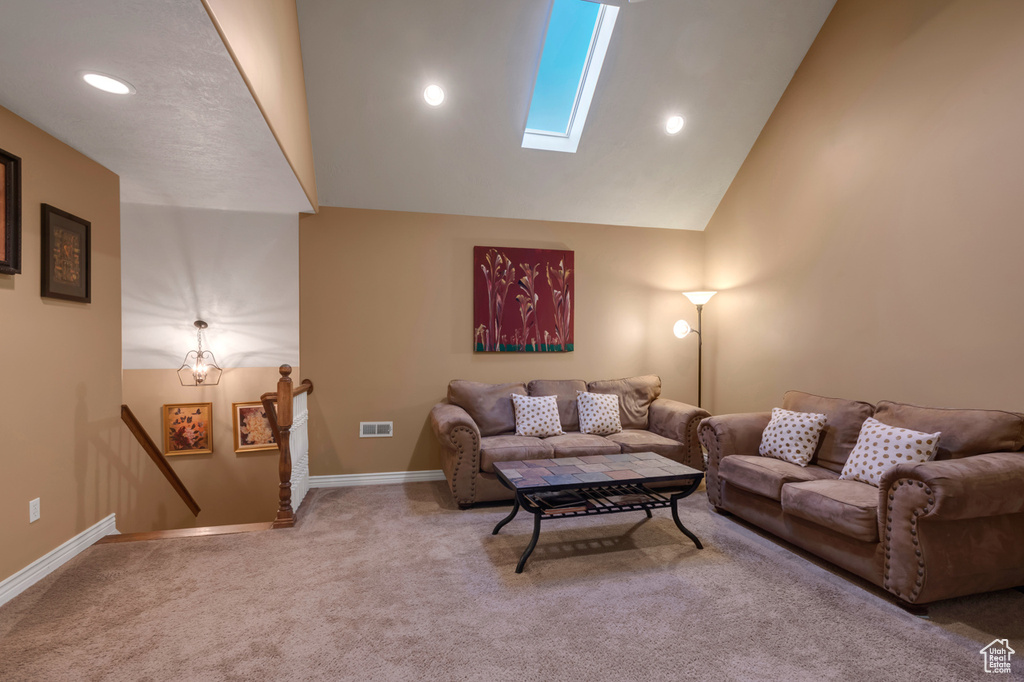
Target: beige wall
[263,39]
[59,410]
[229,487]
[870,246]
[386,320]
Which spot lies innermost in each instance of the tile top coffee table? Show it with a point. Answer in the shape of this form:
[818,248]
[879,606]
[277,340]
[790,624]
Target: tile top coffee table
[594,484]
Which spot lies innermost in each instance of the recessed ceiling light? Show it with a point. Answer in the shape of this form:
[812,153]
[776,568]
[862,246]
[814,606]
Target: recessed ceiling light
[108,83]
[674,125]
[434,95]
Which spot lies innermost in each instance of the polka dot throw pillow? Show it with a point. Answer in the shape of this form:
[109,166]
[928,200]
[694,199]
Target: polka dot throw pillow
[599,413]
[880,446]
[792,436]
[537,416]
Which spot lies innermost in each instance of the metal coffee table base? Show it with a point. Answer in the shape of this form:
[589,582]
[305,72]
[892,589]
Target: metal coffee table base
[600,500]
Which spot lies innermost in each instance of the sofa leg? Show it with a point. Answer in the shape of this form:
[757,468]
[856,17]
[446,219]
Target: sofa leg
[919,610]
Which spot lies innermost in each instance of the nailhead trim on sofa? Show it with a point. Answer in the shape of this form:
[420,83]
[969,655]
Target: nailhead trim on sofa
[461,457]
[920,511]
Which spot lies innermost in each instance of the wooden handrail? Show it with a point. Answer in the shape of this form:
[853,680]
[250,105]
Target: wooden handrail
[281,423]
[158,458]
[305,387]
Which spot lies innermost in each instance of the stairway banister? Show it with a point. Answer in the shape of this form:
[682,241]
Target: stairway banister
[129,418]
[281,422]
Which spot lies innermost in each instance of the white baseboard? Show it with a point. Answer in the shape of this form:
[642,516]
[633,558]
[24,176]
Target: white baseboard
[383,478]
[51,561]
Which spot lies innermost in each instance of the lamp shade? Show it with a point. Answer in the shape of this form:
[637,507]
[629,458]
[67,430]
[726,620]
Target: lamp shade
[681,328]
[699,297]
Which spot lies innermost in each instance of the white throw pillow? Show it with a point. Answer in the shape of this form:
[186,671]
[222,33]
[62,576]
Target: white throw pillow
[599,413]
[537,415]
[880,446]
[792,436]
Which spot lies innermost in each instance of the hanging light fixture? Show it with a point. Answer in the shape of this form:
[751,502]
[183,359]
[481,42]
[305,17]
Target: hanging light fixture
[200,367]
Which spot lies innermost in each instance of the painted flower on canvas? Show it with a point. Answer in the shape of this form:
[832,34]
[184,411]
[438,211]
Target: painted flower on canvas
[254,428]
[189,429]
[522,300]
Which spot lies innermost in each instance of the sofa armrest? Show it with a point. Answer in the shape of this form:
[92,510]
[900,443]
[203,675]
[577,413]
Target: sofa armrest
[971,487]
[953,527]
[459,437]
[729,434]
[679,421]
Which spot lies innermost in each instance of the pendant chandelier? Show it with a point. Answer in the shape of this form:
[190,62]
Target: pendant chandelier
[200,367]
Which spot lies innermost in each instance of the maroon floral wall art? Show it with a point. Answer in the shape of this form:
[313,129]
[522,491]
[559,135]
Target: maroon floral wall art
[523,299]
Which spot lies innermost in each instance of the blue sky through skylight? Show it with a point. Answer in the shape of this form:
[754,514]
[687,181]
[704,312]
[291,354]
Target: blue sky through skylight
[566,49]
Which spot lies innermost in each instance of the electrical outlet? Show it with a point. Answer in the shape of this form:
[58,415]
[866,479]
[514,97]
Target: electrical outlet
[33,510]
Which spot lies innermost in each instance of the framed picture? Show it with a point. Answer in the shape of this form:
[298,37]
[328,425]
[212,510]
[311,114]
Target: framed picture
[65,249]
[188,429]
[252,429]
[523,300]
[10,214]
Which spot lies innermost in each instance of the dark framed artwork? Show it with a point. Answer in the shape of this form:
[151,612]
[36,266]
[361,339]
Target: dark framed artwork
[523,300]
[66,254]
[10,214]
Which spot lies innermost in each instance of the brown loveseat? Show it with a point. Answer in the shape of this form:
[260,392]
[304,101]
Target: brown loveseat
[932,530]
[476,428]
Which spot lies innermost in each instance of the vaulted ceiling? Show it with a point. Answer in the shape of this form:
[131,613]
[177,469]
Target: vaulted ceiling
[192,136]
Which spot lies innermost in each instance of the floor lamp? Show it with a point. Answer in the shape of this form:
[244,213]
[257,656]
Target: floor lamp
[682,328]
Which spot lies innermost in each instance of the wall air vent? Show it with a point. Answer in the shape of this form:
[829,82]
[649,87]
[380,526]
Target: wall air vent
[376,429]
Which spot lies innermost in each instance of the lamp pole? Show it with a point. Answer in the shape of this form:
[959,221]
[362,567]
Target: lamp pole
[700,358]
[697,298]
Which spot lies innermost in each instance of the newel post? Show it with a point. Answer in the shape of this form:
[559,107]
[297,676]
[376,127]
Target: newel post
[285,514]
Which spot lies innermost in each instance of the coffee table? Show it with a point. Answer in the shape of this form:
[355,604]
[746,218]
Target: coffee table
[605,484]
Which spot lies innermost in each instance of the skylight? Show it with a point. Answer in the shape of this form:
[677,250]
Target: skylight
[574,50]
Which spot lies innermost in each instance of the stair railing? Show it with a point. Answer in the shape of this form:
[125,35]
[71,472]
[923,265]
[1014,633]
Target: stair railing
[158,458]
[287,413]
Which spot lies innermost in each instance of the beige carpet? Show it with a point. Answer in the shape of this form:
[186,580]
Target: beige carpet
[392,583]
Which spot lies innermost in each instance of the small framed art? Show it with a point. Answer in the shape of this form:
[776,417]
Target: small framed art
[252,428]
[188,429]
[10,214]
[66,254]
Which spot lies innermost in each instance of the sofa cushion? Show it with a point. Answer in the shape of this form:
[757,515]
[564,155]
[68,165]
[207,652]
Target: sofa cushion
[510,448]
[847,507]
[536,415]
[964,432]
[635,396]
[792,436]
[636,440]
[576,444]
[842,425]
[490,405]
[565,395]
[881,447]
[599,413]
[765,475]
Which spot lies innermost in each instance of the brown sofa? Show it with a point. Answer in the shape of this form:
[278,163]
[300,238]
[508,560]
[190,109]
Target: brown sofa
[476,427]
[932,530]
